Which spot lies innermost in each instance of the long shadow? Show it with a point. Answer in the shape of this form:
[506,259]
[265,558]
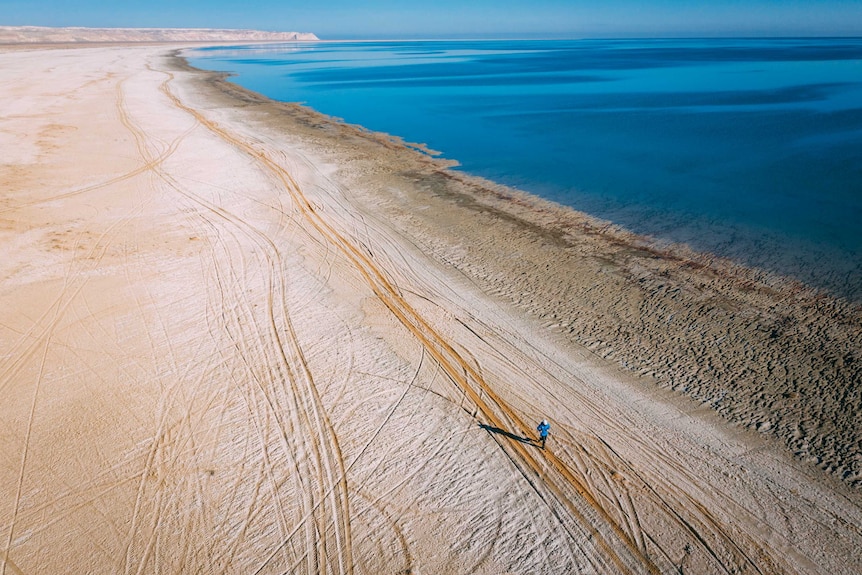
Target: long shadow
[497,430]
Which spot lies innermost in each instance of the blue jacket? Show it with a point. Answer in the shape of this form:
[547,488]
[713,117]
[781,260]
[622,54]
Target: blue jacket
[543,429]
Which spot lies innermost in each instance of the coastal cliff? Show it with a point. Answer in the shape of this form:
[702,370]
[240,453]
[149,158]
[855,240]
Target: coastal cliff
[39,34]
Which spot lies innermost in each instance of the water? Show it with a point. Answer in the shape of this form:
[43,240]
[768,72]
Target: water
[751,149]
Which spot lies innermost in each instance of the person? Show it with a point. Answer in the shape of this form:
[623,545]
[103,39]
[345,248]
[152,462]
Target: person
[543,430]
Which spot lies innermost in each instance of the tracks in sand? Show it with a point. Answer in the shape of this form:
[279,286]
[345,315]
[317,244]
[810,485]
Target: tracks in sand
[231,364]
[607,529]
[286,394]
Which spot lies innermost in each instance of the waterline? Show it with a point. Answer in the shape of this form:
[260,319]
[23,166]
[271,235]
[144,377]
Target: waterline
[751,149]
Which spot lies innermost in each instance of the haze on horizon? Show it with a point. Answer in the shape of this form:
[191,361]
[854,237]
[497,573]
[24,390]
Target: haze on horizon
[345,19]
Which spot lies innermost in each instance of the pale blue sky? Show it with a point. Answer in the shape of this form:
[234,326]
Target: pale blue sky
[333,19]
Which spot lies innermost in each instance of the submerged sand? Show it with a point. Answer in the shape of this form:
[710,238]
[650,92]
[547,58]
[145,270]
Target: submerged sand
[239,337]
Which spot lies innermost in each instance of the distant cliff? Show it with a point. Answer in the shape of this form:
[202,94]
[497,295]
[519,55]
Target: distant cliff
[38,34]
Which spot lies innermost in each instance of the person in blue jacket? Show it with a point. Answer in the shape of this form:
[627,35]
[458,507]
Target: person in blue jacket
[543,430]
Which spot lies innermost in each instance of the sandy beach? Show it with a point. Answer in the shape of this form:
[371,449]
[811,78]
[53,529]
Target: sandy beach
[239,337]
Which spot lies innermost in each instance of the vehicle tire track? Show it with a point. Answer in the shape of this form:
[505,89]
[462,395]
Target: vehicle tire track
[328,463]
[448,358]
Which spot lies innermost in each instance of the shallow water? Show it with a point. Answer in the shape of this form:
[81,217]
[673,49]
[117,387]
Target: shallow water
[751,149]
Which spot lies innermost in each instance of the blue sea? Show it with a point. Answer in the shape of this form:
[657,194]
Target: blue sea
[748,148]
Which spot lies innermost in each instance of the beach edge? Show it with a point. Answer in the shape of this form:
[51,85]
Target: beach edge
[764,351]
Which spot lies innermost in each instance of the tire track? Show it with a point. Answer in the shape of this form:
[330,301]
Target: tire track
[74,282]
[718,539]
[328,463]
[266,335]
[236,326]
[373,504]
[621,538]
[494,411]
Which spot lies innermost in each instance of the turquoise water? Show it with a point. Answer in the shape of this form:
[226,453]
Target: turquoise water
[751,149]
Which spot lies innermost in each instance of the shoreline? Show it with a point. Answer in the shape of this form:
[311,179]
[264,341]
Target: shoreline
[817,246]
[733,313]
[240,336]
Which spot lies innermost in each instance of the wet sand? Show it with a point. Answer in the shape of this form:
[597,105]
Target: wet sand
[238,336]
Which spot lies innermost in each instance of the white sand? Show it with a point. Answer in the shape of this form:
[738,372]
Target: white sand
[214,358]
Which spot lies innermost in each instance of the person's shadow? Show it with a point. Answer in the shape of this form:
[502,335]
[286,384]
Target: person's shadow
[498,431]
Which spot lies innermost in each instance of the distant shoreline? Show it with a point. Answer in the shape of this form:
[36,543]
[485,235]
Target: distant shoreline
[14,35]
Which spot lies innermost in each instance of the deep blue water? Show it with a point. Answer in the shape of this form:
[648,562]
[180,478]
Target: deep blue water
[751,149]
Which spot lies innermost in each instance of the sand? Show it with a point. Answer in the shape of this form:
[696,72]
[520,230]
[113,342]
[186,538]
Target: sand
[238,337]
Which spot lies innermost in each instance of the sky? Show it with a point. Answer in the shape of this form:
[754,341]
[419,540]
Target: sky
[350,19]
